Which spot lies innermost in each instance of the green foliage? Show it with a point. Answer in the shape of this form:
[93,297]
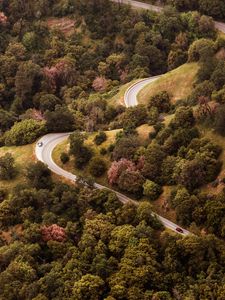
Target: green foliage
[131,181]
[200,50]
[220,120]
[59,120]
[100,138]
[64,157]
[151,189]
[97,166]
[24,132]
[7,167]
[161,101]
[39,175]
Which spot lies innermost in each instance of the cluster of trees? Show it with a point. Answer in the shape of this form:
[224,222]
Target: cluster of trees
[216,8]
[182,156]
[81,243]
[209,90]
[43,71]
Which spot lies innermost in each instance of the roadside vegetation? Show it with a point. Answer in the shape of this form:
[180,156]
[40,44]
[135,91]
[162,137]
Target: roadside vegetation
[64,68]
[177,83]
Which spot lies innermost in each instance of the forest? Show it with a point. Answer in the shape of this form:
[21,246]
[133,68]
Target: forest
[215,8]
[62,65]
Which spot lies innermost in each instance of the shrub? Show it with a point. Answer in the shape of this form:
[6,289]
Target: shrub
[83,157]
[24,132]
[100,138]
[220,120]
[7,168]
[161,101]
[152,189]
[103,151]
[200,49]
[64,157]
[97,166]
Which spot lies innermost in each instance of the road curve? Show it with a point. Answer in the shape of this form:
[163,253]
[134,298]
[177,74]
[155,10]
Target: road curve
[130,97]
[50,141]
[142,5]
[136,4]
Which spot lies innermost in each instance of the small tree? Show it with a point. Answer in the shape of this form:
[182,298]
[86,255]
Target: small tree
[117,167]
[39,175]
[7,168]
[100,138]
[53,233]
[131,181]
[97,166]
[64,157]
[152,189]
[220,120]
[161,101]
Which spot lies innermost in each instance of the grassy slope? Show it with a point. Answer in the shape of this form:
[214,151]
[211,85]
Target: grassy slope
[23,155]
[178,83]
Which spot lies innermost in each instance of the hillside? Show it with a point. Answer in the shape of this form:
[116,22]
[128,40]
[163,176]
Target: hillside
[178,83]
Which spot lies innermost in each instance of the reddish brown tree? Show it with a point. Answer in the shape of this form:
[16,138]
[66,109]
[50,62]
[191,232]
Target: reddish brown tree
[117,167]
[3,18]
[53,233]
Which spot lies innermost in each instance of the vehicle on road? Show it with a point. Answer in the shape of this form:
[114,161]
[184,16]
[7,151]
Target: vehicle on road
[179,230]
[40,144]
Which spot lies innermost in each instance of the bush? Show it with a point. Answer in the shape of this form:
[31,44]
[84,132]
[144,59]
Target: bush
[161,101]
[64,157]
[97,167]
[103,151]
[83,157]
[39,175]
[152,189]
[7,168]
[100,138]
[111,147]
[220,120]
[24,132]
[201,49]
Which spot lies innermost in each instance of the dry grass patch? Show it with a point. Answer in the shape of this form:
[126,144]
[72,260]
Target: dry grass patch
[65,25]
[23,155]
[178,83]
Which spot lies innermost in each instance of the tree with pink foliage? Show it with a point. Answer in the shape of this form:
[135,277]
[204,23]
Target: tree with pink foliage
[62,73]
[117,167]
[53,233]
[3,18]
[100,84]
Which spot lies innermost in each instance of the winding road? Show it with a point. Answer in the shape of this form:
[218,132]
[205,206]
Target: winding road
[50,141]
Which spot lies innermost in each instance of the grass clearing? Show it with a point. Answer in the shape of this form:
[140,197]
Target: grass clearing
[23,155]
[64,147]
[178,83]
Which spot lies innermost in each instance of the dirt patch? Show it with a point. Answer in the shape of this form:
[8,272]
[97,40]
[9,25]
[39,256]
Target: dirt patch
[7,235]
[65,25]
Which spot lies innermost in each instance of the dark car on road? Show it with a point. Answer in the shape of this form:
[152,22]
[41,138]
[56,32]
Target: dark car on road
[179,230]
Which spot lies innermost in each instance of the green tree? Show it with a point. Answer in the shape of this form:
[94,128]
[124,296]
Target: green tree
[59,120]
[89,287]
[24,132]
[7,167]
[39,175]
[151,189]
[97,166]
